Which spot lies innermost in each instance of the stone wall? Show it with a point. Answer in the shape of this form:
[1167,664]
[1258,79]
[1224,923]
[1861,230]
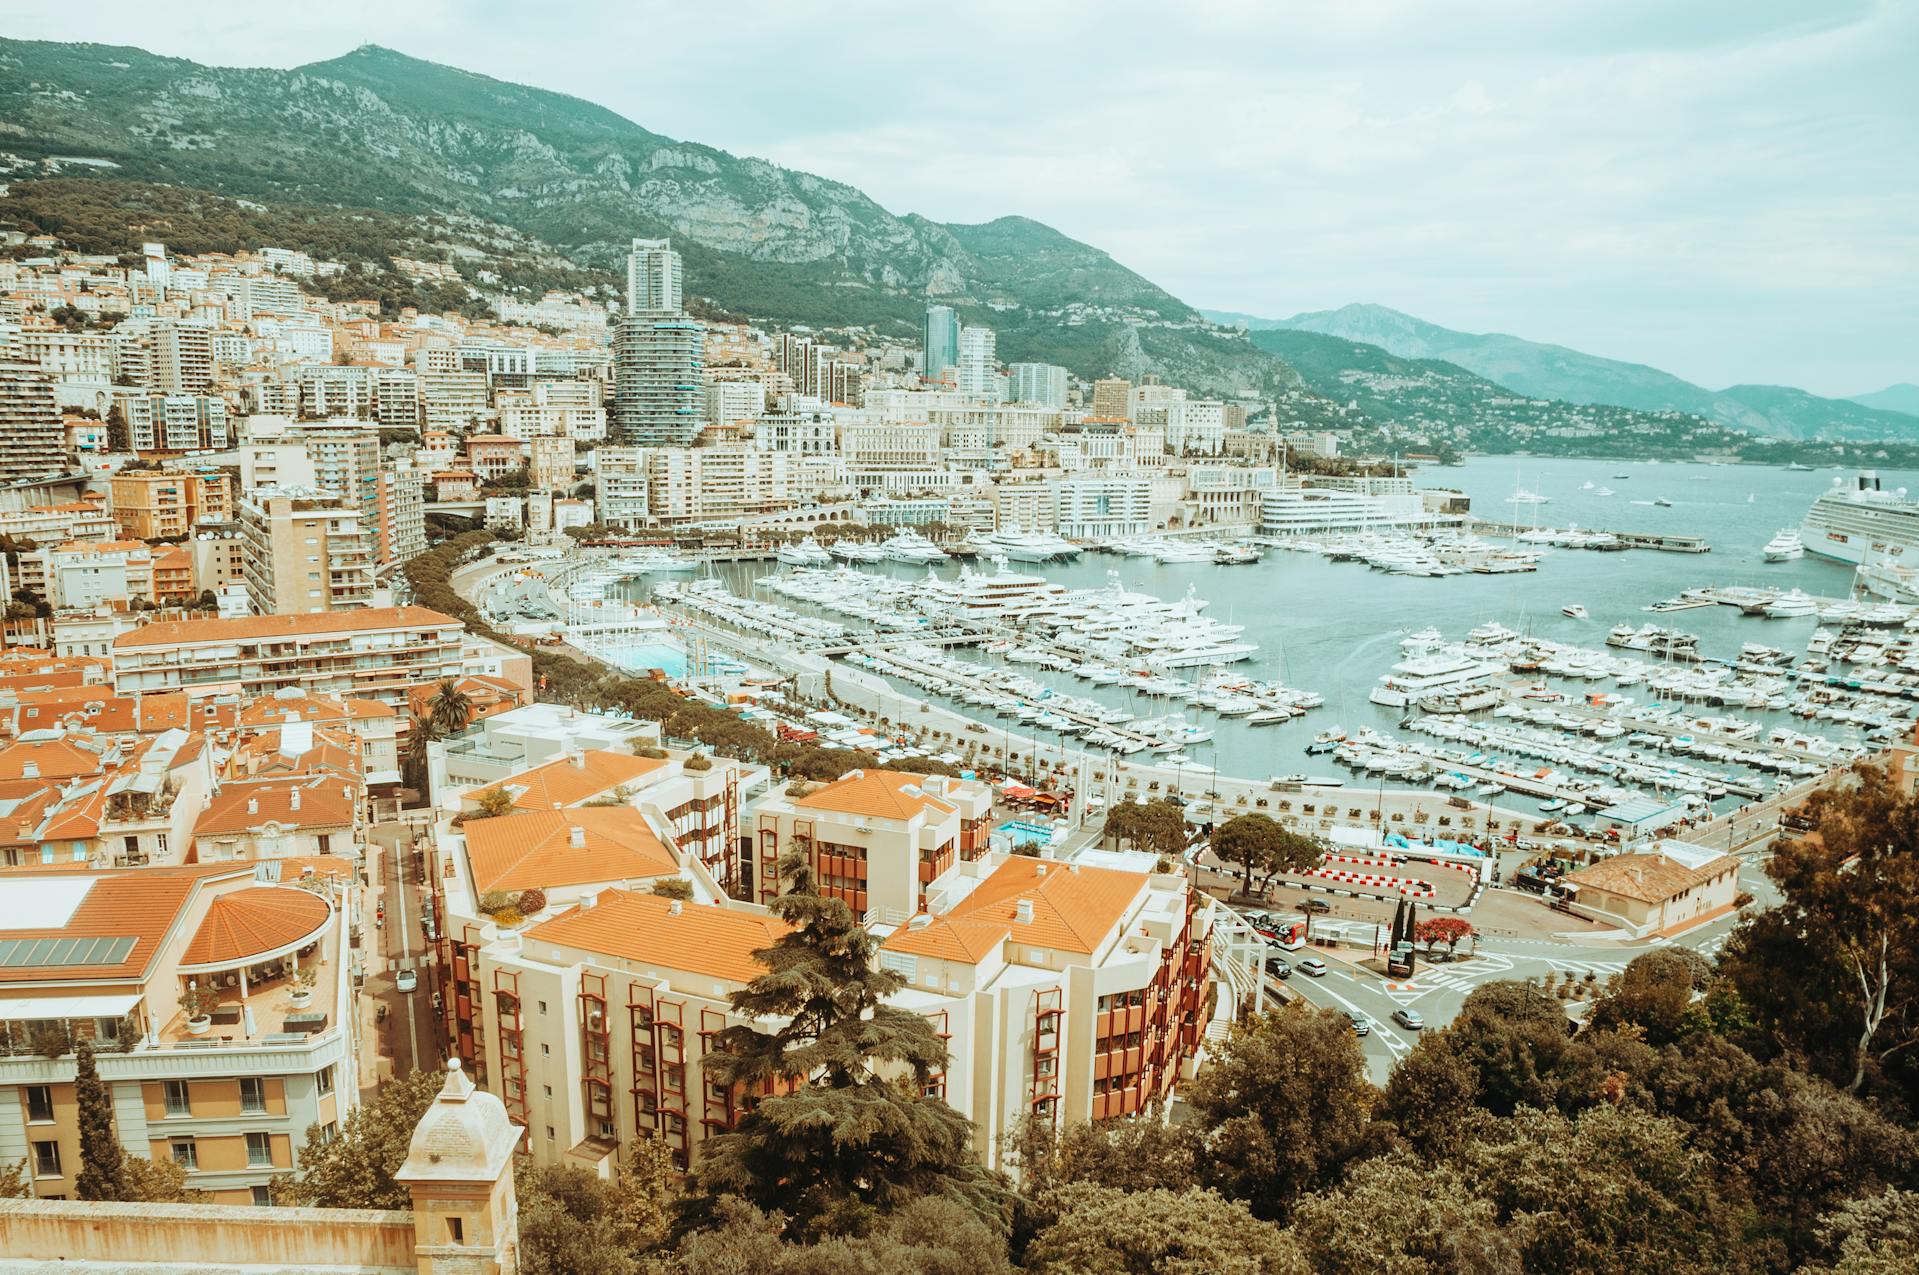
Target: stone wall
[68,1235]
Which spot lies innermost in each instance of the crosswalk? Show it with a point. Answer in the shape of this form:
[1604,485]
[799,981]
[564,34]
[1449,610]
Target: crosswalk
[1462,976]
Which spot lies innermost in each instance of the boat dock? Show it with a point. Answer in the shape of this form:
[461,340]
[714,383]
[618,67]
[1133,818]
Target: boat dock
[1626,539]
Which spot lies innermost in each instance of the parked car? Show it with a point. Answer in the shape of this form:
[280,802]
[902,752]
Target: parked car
[1314,966]
[1409,1019]
[1278,968]
[407,981]
[1362,1025]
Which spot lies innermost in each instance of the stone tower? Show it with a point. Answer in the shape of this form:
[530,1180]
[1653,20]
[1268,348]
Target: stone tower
[459,1167]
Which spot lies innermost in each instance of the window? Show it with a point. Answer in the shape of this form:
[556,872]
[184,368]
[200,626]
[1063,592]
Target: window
[456,1230]
[323,1080]
[328,1132]
[262,1196]
[39,1103]
[259,1151]
[46,1159]
[253,1094]
[178,1102]
[186,1152]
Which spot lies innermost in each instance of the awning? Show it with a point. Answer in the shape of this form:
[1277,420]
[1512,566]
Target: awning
[23,1008]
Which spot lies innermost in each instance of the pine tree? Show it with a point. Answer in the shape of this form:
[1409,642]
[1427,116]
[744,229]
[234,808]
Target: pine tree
[102,1164]
[856,1135]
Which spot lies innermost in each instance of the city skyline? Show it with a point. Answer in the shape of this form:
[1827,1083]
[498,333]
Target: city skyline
[1712,194]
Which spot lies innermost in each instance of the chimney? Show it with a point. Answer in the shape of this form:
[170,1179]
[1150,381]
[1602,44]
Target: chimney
[576,837]
[293,799]
[578,758]
[673,907]
[1039,869]
[1024,913]
[30,770]
[590,899]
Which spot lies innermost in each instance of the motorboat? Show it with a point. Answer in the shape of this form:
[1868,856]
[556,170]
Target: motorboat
[1662,502]
[1792,605]
[856,551]
[1604,491]
[1573,610]
[807,553]
[908,545]
[1785,547]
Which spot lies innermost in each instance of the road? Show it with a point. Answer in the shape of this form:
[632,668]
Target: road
[1437,991]
[410,1033]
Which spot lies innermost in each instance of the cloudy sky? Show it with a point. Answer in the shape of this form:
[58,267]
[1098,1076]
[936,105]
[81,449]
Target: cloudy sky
[1728,189]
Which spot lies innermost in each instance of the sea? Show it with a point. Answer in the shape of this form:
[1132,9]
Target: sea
[1336,627]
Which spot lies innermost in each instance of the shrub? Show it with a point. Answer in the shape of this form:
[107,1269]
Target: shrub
[532,900]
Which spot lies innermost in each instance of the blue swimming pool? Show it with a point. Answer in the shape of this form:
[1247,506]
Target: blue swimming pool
[1021,833]
[668,657]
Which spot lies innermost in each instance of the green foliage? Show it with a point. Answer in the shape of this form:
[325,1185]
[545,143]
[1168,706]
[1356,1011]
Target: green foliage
[573,1222]
[1103,1231]
[161,1181]
[928,1236]
[102,1161]
[13,1181]
[1655,995]
[1157,827]
[673,888]
[1260,843]
[1878,1235]
[450,708]
[1286,1107]
[1397,1214]
[355,1170]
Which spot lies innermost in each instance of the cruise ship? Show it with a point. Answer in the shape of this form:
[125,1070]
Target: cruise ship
[1850,524]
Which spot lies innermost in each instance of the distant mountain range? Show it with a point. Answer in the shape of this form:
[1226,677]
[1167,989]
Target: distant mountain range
[1903,397]
[1542,371]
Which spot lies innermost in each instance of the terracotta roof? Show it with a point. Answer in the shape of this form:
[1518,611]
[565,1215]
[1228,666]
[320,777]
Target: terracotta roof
[325,801]
[518,851]
[1074,909]
[248,628]
[699,938]
[881,794]
[951,938]
[99,708]
[254,921]
[272,710]
[137,903]
[1651,877]
[48,759]
[562,783]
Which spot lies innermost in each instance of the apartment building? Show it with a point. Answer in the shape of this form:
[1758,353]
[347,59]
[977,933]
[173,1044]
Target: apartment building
[868,443]
[83,574]
[284,818]
[659,393]
[553,409]
[219,1005]
[32,439]
[305,553]
[399,509]
[375,653]
[150,504]
[876,839]
[96,784]
[1042,384]
[620,485]
[1112,399]
[695,484]
[1103,505]
[550,463]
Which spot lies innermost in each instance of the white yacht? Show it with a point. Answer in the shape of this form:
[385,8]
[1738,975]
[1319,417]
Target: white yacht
[999,594]
[1028,546]
[1864,521]
[908,545]
[643,562]
[1423,674]
[1173,550]
[1525,497]
[1785,547]
[1574,611]
[1792,605]
[807,553]
[856,551]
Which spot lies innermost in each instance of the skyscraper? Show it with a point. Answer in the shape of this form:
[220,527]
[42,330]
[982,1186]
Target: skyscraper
[979,363]
[652,276]
[659,395]
[939,341]
[1041,383]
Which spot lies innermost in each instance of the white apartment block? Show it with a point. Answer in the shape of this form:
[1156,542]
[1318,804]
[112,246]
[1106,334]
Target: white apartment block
[1195,427]
[1103,505]
[729,402]
[620,484]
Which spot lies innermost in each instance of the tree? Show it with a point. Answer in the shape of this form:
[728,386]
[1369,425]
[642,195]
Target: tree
[1654,995]
[1104,1231]
[854,1134]
[1157,827]
[1878,1235]
[673,888]
[13,1181]
[1450,930]
[450,709]
[1130,1154]
[532,900]
[415,764]
[573,1222]
[161,1181]
[1263,844]
[1851,898]
[1397,1214]
[355,1170]
[928,1236]
[492,804]
[1285,1107]
[102,1161]
[1509,1047]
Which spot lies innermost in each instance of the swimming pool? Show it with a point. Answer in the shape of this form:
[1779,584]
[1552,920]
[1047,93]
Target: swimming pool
[668,657]
[1021,833]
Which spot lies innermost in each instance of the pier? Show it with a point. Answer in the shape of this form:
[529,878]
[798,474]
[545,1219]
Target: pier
[1626,539]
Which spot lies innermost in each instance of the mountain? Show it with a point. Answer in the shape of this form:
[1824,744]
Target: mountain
[1433,405]
[1903,397]
[1550,372]
[561,184]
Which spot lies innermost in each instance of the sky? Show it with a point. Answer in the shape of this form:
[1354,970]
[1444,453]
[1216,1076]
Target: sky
[1726,190]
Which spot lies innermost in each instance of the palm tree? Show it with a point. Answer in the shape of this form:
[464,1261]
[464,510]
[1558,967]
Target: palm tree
[413,766]
[450,710]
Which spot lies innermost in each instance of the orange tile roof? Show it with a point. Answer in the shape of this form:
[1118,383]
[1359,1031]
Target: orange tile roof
[255,921]
[49,758]
[950,938]
[1649,878]
[99,708]
[880,794]
[142,904]
[519,851]
[326,801]
[1073,909]
[562,783]
[252,627]
[699,938]
[331,752]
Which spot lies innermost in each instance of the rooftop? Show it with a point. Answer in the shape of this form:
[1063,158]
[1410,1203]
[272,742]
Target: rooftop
[257,627]
[589,845]
[256,923]
[1657,875]
[1069,909]
[697,937]
[570,780]
[879,794]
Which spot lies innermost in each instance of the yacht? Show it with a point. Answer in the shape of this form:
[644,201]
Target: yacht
[1170,550]
[1028,546]
[807,553]
[1587,485]
[1662,502]
[1525,497]
[643,562]
[1792,605]
[856,551]
[1863,521]
[1574,610]
[1785,547]
[1421,675]
[1604,491]
[908,545]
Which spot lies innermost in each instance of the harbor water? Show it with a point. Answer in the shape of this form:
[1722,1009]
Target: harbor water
[1334,627]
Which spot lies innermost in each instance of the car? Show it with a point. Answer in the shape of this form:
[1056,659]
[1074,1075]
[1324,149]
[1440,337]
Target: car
[407,981]
[1362,1026]
[1278,968]
[1409,1019]
[1314,966]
